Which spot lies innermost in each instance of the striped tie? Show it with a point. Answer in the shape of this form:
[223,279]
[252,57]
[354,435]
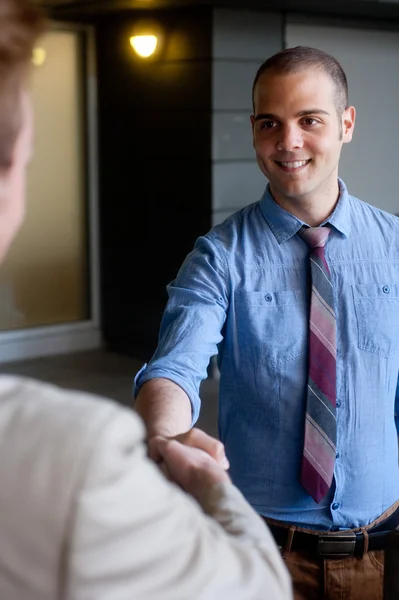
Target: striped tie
[320,422]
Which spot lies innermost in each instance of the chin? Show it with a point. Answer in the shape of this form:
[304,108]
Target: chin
[294,191]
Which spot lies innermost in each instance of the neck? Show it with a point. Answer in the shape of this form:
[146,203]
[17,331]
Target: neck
[312,209]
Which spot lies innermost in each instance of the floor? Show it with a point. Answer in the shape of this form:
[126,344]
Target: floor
[105,374]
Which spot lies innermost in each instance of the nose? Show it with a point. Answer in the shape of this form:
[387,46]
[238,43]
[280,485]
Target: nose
[290,139]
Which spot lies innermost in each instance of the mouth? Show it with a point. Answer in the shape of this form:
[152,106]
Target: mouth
[294,166]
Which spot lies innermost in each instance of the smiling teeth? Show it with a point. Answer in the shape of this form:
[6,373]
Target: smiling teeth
[294,165]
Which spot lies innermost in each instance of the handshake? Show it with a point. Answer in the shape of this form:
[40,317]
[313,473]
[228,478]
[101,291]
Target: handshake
[194,460]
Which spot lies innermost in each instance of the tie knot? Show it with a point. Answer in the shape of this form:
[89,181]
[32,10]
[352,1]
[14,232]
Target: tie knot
[315,237]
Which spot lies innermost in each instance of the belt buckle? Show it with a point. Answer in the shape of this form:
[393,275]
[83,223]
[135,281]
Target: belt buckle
[337,545]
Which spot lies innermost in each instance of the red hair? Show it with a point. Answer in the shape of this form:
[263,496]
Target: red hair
[21,22]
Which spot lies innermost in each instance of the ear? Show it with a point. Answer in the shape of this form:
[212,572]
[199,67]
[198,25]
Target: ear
[348,124]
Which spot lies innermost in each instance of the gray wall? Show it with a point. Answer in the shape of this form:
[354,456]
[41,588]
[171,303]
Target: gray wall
[370,58]
[242,40]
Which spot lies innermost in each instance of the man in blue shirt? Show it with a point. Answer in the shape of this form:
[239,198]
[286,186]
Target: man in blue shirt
[244,291]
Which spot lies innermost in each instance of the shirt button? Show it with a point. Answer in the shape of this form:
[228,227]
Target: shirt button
[337,455]
[335,506]
[338,403]
[386,289]
[268,298]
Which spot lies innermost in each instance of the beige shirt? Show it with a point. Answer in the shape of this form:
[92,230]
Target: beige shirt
[84,515]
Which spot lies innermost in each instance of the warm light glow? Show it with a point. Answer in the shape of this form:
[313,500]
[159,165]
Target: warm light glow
[38,56]
[144,45]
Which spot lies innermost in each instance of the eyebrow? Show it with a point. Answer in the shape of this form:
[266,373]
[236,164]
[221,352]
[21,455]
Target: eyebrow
[301,113]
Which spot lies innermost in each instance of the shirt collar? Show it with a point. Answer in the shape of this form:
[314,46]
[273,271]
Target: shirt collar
[284,225]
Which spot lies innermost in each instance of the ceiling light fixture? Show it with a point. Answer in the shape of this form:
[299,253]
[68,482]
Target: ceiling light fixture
[144,45]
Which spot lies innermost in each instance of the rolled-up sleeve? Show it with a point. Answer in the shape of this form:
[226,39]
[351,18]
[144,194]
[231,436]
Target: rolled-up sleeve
[191,327]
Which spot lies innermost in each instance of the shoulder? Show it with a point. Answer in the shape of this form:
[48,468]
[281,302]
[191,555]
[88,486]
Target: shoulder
[237,219]
[367,213]
[240,224]
[29,399]
[44,422]
[224,246]
[373,227]
[55,446]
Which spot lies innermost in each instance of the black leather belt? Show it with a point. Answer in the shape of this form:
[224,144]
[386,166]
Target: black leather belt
[337,544]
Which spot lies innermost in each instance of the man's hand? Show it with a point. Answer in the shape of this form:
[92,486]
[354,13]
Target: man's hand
[194,438]
[191,468]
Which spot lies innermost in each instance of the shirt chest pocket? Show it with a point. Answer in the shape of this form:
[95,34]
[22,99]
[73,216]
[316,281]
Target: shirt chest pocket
[377,315]
[272,325]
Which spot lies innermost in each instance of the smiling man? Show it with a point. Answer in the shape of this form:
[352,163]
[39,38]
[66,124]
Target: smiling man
[299,293]
[299,126]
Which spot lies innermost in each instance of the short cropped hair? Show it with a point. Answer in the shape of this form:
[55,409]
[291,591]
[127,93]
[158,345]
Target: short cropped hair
[294,60]
[21,22]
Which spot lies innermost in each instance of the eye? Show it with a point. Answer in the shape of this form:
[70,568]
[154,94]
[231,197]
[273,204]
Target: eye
[267,124]
[310,121]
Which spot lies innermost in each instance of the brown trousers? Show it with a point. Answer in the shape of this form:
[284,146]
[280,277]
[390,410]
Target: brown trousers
[351,578]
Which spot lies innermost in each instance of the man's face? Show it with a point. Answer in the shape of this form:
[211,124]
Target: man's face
[12,181]
[298,135]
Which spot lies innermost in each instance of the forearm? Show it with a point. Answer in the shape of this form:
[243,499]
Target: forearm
[164,407]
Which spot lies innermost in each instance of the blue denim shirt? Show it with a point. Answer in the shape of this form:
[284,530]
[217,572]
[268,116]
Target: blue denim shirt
[243,290]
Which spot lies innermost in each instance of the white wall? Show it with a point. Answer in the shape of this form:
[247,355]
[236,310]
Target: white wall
[369,164]
[242,40]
